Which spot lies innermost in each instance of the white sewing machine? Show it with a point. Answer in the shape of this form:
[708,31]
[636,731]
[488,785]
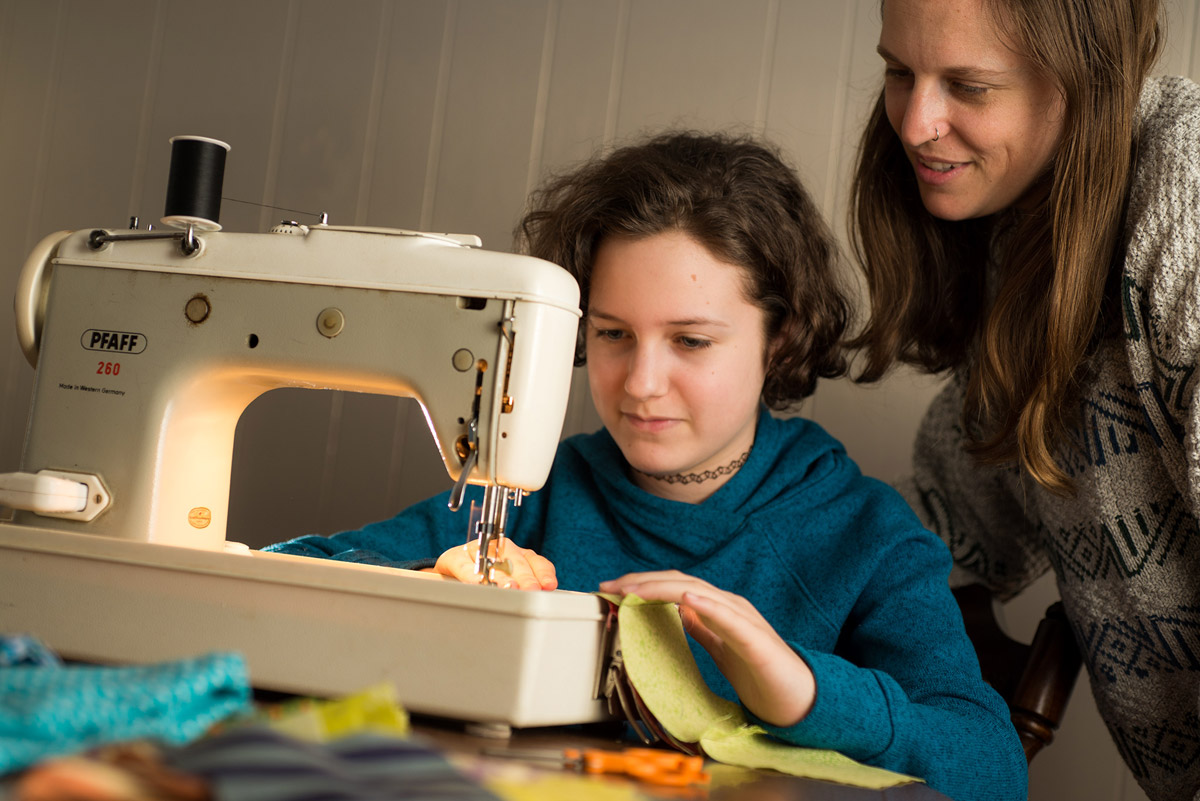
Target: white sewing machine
[148,348]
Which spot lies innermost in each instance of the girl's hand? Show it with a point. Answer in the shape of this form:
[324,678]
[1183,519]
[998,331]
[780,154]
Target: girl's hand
[770,678]
[530,570]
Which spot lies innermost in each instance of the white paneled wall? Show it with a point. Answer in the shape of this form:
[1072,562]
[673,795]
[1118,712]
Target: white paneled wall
[436,115]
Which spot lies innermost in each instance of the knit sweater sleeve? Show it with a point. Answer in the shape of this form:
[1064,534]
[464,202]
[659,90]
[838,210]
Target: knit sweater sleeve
[977,509]
[1161,280]
[903,689]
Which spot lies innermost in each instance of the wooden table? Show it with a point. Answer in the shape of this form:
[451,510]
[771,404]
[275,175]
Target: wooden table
[479,756]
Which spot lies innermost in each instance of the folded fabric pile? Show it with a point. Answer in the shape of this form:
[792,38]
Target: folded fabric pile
[151,733]
[253,763]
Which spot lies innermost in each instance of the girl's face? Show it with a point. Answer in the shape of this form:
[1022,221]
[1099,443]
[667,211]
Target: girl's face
[996,119]
[675,358]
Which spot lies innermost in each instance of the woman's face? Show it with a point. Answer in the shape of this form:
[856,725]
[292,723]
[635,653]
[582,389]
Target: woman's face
[675,356]
[978,122]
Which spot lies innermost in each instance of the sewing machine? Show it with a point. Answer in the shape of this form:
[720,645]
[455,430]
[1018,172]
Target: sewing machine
[149,346]
[147,357]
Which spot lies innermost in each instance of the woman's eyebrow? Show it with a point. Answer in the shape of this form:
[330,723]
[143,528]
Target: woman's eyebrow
[977,73]
[886,54]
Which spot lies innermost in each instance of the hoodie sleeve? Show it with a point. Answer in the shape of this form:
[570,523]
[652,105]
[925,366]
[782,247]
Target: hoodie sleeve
[412,539]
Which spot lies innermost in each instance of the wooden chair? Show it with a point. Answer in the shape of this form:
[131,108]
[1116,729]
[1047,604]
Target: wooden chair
[1035,679]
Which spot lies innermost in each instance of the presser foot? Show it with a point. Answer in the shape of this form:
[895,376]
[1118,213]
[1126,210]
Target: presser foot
[494,566]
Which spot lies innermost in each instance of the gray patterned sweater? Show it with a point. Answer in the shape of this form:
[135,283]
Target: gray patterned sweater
[1125,550]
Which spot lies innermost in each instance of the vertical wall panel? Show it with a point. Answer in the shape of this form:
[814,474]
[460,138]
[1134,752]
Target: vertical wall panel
[94,131]
[580,81]
[30,61]
[406,123]
[416,469]
[8,13]
[804,111]
[1193,37]
[355,486]
[329,94]
[489,118]
[1177,53]
[692,63]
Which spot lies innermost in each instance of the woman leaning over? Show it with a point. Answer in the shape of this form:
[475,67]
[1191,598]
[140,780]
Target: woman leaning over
[1027,213]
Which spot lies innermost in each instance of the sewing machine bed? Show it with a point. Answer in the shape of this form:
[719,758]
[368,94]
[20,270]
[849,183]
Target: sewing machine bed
[310,626]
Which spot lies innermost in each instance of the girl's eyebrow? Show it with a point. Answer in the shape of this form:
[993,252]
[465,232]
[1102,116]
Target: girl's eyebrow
[612,318]
[975,73]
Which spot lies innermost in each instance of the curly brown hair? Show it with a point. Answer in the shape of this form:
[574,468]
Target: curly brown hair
[737,197]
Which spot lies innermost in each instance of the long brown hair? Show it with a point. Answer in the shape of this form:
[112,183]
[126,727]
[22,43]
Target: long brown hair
[737,197]
[1023,344]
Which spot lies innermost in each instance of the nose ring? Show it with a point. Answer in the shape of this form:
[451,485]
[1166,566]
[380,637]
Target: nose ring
[935,134]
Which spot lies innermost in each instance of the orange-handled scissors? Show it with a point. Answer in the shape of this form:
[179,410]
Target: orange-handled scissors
[651,765]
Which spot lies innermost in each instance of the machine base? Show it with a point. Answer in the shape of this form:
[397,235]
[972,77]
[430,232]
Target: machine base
[310,626]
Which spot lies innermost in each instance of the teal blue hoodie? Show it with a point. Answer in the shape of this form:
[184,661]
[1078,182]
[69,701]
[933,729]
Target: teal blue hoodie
[835,561]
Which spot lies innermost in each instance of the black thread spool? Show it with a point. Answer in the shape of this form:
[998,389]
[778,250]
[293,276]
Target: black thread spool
[194,183]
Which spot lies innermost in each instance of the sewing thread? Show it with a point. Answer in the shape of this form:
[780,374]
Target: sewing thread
[194,182]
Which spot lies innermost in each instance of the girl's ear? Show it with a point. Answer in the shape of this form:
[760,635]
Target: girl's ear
[581,342]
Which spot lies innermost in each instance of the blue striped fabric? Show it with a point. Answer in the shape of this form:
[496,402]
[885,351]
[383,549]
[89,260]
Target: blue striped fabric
[255,763]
